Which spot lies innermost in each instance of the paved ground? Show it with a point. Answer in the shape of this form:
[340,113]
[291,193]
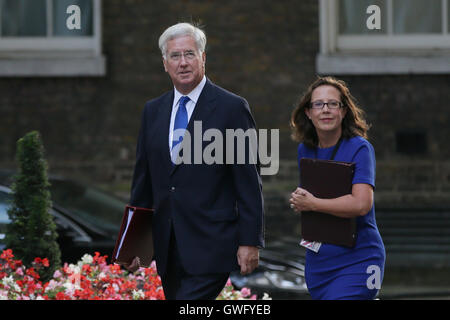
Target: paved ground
[402,292]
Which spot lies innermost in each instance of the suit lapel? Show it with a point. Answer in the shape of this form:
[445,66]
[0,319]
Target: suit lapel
[162,131]
[204,108]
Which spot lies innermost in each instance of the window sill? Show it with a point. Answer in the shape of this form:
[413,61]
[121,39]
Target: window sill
[371,64]
[94,66]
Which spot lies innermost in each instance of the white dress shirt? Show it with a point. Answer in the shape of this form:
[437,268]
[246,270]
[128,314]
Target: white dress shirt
[190,105]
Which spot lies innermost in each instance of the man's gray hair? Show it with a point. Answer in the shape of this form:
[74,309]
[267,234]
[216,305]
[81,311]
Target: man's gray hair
[180,30]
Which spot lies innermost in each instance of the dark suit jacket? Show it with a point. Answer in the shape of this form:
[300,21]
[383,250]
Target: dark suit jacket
[214,208]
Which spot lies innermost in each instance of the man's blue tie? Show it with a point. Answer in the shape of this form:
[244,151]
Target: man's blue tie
[181,121]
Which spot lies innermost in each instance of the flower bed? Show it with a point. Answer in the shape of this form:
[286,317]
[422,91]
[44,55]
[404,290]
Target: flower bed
[92,278]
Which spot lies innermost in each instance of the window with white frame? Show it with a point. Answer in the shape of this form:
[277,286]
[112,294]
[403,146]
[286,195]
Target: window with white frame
[37,38]
[412,36]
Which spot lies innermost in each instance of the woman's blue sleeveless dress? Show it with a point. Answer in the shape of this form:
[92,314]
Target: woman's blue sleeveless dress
[338,272]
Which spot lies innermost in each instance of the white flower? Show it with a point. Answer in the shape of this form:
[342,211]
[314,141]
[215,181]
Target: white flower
[3,295]
[138,294]
[16,287]
[73,268]
[51,285]
[115,287]
[8,281]
[266,297]
[87,259]
[68,286]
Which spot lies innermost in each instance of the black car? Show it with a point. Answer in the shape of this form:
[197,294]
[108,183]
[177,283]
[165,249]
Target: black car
[280,273]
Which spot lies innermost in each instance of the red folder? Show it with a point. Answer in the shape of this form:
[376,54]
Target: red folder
[327,179]
[135,237]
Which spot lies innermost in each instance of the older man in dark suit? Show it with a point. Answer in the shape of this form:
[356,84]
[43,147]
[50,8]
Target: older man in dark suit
[208,218]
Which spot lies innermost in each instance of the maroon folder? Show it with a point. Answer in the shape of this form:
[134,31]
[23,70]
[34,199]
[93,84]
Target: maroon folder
[135,237]
[327,179]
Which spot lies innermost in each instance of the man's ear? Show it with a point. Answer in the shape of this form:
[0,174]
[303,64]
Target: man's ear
[164,63]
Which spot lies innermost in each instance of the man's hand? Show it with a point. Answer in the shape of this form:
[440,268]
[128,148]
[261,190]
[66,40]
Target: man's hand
[134,265]
[248,258]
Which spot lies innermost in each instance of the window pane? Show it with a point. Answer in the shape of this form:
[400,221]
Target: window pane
[417,16]
[60,17]
[25,18]
[353,16]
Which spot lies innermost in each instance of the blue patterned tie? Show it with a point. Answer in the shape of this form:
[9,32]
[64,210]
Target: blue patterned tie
[181,121]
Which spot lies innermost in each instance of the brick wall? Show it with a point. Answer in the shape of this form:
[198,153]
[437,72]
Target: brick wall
[262,50]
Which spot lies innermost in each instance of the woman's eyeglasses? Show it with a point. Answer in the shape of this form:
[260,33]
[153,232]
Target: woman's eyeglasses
[319,104]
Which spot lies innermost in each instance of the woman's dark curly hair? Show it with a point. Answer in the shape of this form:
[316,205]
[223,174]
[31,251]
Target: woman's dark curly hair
[353,123]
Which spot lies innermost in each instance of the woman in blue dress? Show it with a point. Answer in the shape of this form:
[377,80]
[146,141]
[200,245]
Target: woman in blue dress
[328,124]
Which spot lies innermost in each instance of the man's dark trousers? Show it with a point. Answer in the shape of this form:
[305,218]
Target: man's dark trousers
[179,285]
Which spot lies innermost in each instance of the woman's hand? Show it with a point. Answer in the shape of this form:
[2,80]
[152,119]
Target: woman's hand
[302,200]
[356,204]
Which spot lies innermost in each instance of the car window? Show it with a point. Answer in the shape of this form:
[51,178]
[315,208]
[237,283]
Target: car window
[4,218]
[62,223]
[5,199]
[91,205]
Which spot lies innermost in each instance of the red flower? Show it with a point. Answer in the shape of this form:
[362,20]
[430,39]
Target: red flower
[98,259]
[62,296]
[30,272]
[45,262]
[115,269]
[86,268]
[97,280]
[7,254]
